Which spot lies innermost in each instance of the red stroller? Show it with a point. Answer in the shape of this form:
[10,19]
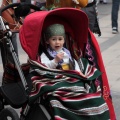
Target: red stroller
[81,43]
[79,39]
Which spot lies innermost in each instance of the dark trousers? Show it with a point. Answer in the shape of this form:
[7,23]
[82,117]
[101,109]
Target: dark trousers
[114,16]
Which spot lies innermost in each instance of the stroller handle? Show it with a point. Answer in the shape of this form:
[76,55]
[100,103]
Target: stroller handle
[17,5]
[15,17]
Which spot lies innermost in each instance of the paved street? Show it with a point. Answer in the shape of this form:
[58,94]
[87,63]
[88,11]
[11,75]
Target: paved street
[110,49]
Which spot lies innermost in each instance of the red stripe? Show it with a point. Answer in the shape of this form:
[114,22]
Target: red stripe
[80,97]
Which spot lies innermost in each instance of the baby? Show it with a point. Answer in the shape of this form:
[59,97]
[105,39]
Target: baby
[56,55]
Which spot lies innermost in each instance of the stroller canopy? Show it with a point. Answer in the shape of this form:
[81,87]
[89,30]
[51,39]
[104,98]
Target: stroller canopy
[75,22]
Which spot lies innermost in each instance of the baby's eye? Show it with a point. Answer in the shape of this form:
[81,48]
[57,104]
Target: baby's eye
[53,39]
[60,39]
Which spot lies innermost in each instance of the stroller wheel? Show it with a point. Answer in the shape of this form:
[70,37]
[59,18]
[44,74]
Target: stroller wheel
[9,114]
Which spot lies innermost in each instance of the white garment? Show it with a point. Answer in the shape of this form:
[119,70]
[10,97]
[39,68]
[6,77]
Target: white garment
[90,1]
[51,63]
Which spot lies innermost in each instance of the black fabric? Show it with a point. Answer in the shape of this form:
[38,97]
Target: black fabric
[96,28]
[14,94]
[35,113]
[27,1]
[22,10]
[91,4]
[91,13]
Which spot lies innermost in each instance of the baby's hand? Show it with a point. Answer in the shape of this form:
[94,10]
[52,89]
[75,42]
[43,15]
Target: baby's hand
[59,57]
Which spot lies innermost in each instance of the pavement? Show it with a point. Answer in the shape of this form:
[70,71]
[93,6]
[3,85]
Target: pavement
[110,49]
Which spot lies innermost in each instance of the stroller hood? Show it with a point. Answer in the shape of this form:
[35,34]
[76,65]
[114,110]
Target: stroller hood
[75,22]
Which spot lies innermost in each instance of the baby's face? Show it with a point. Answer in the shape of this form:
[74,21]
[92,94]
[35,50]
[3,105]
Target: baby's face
[56,42]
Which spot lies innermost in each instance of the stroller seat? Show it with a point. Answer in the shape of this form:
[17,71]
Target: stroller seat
[14,94]
[12,89]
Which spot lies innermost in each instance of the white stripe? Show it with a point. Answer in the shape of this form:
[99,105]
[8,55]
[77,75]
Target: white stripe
[57,104]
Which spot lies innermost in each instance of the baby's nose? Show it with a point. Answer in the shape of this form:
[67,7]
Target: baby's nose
[57,41]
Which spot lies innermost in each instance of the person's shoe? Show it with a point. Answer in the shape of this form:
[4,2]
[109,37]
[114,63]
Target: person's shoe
[101,1]
[114,30]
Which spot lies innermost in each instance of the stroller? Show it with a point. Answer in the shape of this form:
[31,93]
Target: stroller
[10,22]
[84,45]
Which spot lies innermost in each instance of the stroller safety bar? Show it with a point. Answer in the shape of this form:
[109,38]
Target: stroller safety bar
[14,55]
[2,26]
[17,63]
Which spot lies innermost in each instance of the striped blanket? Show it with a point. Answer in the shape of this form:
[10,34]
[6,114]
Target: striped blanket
[67,94]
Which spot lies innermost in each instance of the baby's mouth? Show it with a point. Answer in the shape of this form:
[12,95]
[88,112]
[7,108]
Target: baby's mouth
[57,46]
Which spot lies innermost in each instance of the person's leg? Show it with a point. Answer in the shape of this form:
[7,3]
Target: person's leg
[114,16]
[91,13]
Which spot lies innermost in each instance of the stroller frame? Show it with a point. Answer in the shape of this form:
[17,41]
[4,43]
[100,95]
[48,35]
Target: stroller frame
[13,94]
